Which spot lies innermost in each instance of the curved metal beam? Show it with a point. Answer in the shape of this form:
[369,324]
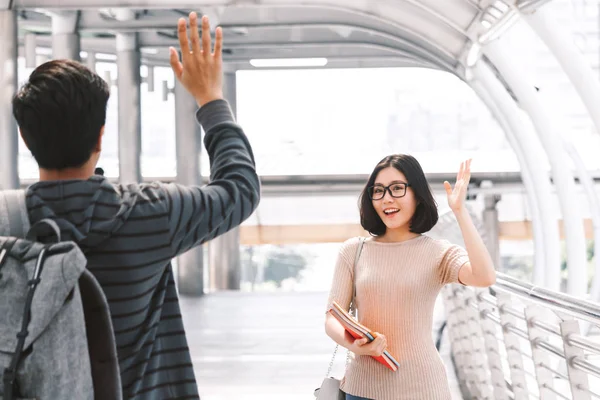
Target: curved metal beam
[107,45]
[546,236]
[564,179]
[365,23]
[594,204]
[396,28]
[450,24]
[570,58]
[372,37]
[585,82]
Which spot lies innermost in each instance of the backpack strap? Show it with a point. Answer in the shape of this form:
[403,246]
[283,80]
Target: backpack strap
[13,212]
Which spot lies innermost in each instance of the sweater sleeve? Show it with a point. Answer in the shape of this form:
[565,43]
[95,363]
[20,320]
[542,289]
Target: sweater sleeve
[453,257]
[198,214]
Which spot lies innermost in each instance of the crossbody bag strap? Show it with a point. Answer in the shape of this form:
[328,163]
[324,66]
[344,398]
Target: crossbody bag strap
[352,304]
[354,272]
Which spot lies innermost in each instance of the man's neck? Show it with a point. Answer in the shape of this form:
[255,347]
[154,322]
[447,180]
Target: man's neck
[66,174]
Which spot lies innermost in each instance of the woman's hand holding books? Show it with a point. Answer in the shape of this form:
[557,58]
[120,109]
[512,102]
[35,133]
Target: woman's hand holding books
[375,348]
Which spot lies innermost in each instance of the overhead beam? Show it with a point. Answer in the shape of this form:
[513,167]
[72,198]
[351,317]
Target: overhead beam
[357,50]
[161,59]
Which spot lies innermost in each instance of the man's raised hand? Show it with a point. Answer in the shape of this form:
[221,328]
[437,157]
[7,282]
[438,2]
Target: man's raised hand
[200,70]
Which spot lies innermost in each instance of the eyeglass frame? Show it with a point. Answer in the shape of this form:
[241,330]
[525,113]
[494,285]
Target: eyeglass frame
[387,189]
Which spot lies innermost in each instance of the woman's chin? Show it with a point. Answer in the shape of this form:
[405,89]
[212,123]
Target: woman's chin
[394,225]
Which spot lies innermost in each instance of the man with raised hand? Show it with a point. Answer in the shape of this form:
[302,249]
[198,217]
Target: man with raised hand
[130,233]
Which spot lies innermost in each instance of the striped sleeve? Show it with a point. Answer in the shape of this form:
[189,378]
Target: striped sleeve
[198,214]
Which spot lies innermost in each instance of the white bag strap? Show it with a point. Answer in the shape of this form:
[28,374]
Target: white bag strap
[14,219]
[356,258]
[352,304]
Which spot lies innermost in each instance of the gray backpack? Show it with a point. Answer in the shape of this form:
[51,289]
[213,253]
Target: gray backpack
[56,336]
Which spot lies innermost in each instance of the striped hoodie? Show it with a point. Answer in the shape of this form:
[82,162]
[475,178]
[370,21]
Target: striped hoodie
[130,234]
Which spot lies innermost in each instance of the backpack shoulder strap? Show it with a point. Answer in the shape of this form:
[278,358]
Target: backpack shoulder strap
[13,213]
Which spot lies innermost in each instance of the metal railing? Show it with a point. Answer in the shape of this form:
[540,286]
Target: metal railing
[518,341]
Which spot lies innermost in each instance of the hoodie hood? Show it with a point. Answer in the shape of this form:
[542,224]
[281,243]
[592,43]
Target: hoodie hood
[73,204]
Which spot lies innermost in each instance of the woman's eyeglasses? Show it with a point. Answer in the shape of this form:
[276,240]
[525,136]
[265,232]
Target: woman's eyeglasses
[396,190]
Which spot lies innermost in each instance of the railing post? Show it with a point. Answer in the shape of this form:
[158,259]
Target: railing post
[577,379]
[490,330]
[481,387]
[541,360]
[513,348]
[455,332]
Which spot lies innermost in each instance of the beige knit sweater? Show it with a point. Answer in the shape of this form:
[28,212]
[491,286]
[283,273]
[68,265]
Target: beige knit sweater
[396,288]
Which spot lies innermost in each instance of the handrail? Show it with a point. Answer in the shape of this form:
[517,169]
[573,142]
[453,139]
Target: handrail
[519,341]
[557,301]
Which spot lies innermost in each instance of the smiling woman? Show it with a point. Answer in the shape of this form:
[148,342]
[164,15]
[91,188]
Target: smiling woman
[396,278]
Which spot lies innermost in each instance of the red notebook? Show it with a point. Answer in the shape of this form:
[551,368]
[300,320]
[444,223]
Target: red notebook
[359,331]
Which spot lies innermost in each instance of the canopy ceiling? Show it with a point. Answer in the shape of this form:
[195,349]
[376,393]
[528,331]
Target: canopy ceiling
[358,33]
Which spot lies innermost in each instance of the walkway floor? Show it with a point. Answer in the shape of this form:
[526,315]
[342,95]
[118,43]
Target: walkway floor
[267,346]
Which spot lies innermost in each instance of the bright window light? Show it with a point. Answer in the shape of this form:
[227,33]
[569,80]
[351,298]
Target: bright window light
[288,62]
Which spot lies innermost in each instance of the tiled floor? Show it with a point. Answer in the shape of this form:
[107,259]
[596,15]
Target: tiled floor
[267,346]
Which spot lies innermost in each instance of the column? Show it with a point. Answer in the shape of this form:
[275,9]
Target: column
[130,117]
[66,43]
[188,145]
[492,227]
[224,251]
[9,137]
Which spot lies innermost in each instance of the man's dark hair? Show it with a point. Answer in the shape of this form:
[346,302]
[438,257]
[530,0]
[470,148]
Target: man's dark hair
[426,213]
[60,112]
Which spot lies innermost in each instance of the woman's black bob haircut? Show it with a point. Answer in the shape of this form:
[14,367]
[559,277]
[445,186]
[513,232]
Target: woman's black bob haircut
[426,213]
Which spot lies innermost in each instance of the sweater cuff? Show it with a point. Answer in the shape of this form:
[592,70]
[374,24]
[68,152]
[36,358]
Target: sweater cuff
[214,113]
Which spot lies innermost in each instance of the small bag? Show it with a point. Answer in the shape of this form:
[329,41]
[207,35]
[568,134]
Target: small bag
[330,388]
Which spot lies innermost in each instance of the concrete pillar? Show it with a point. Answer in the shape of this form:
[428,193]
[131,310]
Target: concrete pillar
[224,259]
[66,42]
[492,227]
[30,50]
[130,116]
[188,141]
[9,138]
[224,251]
[90,61]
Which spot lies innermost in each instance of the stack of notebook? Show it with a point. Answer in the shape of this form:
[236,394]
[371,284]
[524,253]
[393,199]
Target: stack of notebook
[359,331]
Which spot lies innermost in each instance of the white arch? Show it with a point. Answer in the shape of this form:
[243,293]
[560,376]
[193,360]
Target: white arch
[588,87]
[537,185]
[526,94]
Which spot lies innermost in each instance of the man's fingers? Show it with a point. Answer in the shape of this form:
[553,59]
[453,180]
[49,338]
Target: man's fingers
[194,34]
[218,43]
[184,44]
[205,36]
[175,63]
